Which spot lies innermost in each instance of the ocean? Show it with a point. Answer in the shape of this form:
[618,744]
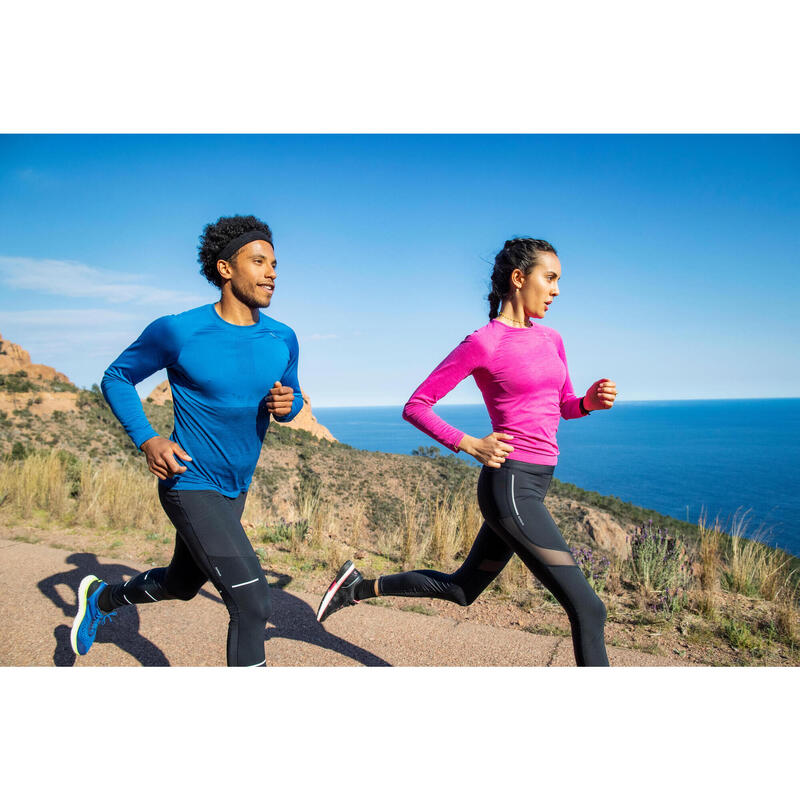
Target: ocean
[683,458]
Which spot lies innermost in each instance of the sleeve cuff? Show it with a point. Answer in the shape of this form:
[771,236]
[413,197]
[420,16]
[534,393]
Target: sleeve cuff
[140,438]
[297,407]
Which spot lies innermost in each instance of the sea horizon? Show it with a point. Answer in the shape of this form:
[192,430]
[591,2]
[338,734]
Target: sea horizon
[443,404]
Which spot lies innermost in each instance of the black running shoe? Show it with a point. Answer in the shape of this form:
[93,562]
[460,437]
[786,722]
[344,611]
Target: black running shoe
[341,592]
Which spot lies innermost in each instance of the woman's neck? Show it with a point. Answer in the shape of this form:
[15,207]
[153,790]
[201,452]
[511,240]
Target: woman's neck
[513,315]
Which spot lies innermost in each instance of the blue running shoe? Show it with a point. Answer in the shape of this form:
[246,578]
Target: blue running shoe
[89,616]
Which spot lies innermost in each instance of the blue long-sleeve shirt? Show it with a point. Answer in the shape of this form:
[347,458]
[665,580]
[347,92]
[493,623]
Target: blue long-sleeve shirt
[220,375]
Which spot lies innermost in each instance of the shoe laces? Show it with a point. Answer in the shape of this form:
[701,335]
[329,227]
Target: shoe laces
[102,619]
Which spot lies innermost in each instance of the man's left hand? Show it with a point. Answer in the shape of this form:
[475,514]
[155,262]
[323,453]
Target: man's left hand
[279,400]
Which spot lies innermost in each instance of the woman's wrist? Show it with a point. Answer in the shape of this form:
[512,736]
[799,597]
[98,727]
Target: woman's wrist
[465,445]
[585,411]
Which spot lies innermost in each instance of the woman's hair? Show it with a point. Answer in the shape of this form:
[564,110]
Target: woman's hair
[217,234]
[516,254]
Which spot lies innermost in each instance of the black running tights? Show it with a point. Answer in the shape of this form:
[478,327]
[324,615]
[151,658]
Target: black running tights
[210,544]
[516,521]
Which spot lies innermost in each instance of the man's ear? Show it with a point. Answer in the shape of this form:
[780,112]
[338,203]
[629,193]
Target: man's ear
[224,269]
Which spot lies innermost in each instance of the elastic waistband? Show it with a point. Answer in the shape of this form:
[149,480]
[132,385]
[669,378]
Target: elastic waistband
[524,466]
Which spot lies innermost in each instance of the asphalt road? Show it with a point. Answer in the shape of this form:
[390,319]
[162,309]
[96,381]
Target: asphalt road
[43,581]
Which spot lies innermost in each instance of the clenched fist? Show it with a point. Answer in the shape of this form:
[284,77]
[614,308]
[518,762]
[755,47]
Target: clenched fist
[600,395]
[279,400]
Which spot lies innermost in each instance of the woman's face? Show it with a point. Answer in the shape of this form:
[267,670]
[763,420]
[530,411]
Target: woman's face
[539,287]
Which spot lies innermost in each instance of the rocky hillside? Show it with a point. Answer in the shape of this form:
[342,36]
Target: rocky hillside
[13,358]
[36,387]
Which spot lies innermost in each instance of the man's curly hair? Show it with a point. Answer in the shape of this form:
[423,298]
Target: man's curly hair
[217,234]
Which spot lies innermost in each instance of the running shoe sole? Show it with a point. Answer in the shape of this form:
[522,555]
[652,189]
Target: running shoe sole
[83,602]
[344,573]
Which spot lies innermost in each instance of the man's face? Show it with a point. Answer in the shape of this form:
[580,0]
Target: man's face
[252,274]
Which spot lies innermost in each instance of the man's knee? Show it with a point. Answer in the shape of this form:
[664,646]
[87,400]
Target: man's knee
[180,590]
[183,593]
[254,602]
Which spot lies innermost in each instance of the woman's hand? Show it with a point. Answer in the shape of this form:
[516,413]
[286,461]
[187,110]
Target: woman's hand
[161,454]
[600,395]
[490,450]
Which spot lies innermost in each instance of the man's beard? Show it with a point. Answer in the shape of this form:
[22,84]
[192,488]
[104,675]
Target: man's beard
[248,299]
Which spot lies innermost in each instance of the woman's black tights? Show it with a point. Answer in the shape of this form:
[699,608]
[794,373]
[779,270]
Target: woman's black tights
[516,521]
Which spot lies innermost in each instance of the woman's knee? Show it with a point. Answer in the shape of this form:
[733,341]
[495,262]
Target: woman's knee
[470,582]
[468,595]
[596,610]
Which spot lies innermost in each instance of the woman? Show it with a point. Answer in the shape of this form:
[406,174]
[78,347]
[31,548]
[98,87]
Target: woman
[521,369]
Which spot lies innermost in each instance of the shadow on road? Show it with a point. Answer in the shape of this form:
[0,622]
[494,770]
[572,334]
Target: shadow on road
[122,631]
[294,619]
[291,617]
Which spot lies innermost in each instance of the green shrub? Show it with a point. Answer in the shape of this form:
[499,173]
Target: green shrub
[738,633]
[427,452]
[658,566]
[284,531]
[17,382]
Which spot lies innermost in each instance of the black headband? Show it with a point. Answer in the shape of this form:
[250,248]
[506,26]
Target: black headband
[241,241]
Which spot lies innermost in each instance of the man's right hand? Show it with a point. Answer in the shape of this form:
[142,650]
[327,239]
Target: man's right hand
[160,453]
[490,450]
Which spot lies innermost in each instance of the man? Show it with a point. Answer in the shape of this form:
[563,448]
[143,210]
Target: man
[229,367]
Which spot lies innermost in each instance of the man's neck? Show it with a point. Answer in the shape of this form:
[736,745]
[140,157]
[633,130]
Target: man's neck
[235,311]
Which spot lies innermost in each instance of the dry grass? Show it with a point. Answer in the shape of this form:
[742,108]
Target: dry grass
[785,617]
[311,509]
[445,534]
[256,512]
[107,496]
[37,482]
[454,522]
[469,518]
[355,532]
[411,514]
[704,602]
[112,496]
[709,555]
[752,567]
[308,502]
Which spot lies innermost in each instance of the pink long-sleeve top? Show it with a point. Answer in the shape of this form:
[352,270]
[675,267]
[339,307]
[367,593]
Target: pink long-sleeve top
[523,377]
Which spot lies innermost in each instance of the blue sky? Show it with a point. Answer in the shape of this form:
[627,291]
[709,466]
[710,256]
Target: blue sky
[680,253]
